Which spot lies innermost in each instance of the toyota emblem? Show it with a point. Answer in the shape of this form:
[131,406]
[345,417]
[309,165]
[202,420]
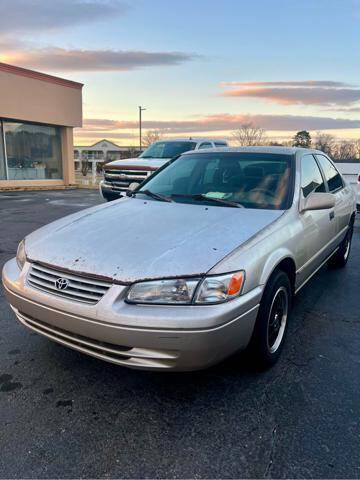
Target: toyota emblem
[62,283]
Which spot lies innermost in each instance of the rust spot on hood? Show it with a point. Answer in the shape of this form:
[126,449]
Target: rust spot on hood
[79,273]
[105,278]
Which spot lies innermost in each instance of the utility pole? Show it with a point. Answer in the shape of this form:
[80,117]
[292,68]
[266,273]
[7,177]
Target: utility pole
[141,109]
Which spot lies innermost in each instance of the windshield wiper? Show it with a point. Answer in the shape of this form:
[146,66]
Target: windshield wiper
[202,197]
[156,196]
[146,156]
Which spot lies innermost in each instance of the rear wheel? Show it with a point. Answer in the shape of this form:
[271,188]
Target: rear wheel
[341,257]
[271,323]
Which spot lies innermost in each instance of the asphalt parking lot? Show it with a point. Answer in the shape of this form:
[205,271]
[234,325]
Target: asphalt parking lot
[63,414]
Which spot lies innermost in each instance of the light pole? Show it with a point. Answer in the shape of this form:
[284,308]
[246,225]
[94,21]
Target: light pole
[141,109]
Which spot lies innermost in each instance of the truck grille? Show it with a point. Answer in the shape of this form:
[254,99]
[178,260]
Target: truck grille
[72,286]
[121,179]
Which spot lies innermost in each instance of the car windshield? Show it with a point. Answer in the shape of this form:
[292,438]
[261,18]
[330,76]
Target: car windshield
[253,180]
[167,149]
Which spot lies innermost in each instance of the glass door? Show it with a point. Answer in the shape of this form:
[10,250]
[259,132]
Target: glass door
[3,175]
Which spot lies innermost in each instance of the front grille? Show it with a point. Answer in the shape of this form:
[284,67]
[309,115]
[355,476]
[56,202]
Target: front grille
[80,289]
[121,179]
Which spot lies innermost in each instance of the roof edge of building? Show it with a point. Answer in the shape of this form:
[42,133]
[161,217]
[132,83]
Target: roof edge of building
[25,72]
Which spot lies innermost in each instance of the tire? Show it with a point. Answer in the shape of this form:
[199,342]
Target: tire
[269,332]
[341,257]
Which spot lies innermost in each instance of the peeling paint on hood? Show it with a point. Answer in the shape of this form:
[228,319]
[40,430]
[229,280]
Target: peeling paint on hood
[134,239]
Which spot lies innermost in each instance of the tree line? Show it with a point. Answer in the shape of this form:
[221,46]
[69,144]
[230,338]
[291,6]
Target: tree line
[340,150]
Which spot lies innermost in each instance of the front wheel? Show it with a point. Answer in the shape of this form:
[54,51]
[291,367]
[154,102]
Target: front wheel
[271,323]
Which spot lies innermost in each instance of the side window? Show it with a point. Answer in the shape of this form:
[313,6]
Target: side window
[332,176]
[311,178]
[205,145]
[220,144]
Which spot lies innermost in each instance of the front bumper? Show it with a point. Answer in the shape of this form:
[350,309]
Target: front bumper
[178,338]
[108,193]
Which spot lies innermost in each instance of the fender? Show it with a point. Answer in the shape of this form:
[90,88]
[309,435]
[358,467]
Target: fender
[273,261]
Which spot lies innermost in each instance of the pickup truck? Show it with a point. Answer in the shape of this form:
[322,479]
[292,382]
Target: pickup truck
[120,174]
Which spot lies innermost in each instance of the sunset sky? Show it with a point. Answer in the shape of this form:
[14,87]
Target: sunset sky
[200,67]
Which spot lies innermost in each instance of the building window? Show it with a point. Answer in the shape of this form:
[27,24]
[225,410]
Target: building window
[33,152]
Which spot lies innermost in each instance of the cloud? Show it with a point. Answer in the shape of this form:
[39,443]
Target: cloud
[305,83]
[79,133]
[310,92]
[35,15]
[55,59]
[346,110]
[223,122]
[39,15]
[99,124]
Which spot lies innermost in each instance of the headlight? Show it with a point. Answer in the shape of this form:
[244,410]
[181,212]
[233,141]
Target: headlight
[184,291]
[20,255]
[178,291]
[220,288]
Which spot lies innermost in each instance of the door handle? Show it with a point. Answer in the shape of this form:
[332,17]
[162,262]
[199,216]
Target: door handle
[332,215]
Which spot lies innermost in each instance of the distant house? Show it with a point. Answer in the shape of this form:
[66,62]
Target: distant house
[102,152]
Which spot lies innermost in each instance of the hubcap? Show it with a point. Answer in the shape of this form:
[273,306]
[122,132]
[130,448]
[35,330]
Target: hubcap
[277,319]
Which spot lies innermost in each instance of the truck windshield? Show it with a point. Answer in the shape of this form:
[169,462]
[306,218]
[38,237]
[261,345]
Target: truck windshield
[167,149]
[254,180]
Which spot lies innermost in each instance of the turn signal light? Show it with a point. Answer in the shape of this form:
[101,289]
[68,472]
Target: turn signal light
[235,284]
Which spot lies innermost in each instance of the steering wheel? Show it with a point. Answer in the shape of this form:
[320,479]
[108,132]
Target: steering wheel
[264,191]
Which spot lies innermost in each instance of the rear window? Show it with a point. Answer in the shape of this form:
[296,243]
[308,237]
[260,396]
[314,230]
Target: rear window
[332,176]
[167,149]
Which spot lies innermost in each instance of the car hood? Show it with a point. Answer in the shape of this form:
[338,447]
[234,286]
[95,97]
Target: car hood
[136,239]
[127,163]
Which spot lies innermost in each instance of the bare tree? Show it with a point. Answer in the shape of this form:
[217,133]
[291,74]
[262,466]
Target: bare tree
[152,136]
[324,142]
[249,134]
[84,164]
[344,151]
[357,148]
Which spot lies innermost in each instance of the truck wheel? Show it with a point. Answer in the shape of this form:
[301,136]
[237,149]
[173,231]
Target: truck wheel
[341,257]
[271,323]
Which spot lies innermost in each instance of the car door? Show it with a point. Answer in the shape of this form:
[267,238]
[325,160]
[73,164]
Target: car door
[341,191]
[318,226]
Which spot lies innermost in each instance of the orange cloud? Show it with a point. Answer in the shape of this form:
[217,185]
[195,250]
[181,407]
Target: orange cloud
[223,122]
[301,83]
[310,92]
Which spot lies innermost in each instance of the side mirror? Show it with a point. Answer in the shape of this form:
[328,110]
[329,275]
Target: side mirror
[133,186]
[318,201]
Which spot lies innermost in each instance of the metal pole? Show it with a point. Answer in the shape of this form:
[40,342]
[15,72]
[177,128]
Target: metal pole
[140,110]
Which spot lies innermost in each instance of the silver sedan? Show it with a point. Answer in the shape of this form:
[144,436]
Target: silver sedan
[200,261]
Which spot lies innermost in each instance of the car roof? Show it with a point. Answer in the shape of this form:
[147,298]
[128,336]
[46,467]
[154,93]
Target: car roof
[192,139]
[259,149]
